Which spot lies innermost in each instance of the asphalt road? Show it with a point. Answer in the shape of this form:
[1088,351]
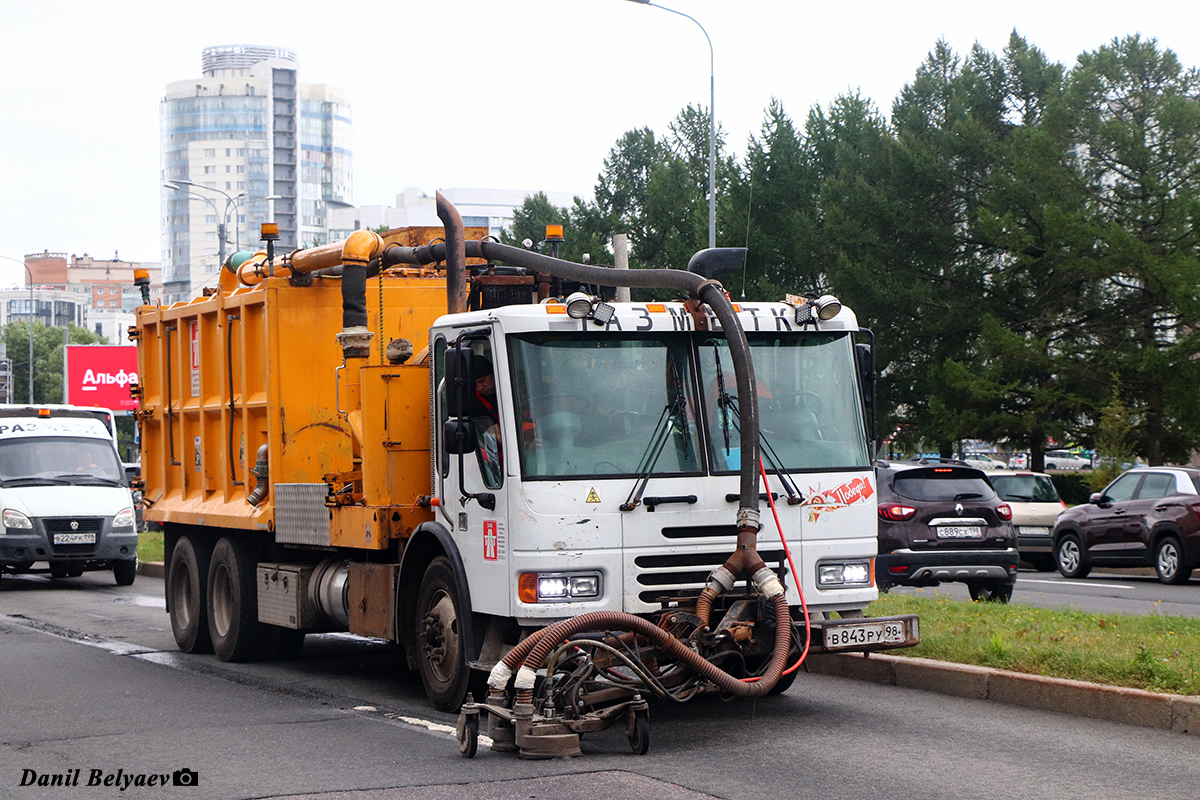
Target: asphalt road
[92,682]
[1125,591]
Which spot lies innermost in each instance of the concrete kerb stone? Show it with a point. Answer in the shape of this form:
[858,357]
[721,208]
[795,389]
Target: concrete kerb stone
[1113,703]
[151,569]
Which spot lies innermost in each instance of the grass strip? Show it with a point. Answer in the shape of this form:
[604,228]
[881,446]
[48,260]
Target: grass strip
[150,546]
[1151,652]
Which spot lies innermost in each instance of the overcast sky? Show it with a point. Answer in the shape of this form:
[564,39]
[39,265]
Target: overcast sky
[523,94]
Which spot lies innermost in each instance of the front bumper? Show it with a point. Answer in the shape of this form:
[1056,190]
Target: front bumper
[19,545]
[929,568]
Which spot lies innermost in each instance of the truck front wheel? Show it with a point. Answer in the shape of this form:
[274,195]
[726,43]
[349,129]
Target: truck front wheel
[187,578]
[233,624]
[440,655]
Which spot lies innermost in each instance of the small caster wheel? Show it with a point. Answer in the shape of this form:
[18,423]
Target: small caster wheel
[467,733]
[639,733]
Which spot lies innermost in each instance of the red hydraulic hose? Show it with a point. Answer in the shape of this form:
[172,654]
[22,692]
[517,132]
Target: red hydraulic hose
[791,564]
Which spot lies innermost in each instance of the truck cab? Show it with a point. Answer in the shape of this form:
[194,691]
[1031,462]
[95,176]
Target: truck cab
[605,473]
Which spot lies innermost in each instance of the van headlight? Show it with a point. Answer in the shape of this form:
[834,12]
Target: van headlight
[124,520]
[558,587]
[844,573]
[15,519]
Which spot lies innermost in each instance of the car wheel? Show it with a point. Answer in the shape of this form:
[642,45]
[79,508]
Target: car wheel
[990,591]
[1071,557]
[1168,562]
[124,572]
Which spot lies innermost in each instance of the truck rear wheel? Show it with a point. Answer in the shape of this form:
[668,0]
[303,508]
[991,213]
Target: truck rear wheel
[233,624]
[440,655]
[187,579]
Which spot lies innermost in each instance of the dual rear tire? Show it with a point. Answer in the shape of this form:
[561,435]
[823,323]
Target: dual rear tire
[214,603]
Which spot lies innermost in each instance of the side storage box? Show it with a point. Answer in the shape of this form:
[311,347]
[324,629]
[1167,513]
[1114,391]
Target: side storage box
[283,596]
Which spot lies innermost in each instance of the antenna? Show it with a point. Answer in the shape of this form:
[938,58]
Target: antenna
[749,205]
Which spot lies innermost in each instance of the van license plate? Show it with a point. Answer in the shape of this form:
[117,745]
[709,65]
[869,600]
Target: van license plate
[74,538]
[959,532]
[864,634]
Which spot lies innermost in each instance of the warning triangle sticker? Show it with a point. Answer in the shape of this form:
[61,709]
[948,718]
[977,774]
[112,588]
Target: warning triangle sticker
[592,496]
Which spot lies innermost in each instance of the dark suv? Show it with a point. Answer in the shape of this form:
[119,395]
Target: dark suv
[1149,516]
[941,521]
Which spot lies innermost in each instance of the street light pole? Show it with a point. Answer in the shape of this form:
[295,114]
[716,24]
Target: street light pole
[30,274]
[712,123]
[222,219]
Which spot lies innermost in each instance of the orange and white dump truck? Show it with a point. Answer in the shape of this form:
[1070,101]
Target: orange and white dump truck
[460,448]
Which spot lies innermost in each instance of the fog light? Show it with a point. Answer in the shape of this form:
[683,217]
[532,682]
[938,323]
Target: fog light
[850,573]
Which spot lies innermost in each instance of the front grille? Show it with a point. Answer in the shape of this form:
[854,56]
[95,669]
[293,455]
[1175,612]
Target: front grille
[673,575]
[93,525]
[82,524]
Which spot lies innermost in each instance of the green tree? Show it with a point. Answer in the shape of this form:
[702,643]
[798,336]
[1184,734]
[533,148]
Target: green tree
[47,358]
[1133,113]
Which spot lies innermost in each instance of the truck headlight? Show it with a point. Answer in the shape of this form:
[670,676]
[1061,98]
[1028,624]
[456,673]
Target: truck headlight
[124,520]
[844,573]
[558,587]
[15,519]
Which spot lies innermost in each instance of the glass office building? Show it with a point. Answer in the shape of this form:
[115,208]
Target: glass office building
[254,145]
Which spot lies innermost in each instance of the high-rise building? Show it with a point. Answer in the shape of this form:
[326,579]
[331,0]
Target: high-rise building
[247,143]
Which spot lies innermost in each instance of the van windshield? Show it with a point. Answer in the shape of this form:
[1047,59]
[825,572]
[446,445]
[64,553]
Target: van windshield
[59,460]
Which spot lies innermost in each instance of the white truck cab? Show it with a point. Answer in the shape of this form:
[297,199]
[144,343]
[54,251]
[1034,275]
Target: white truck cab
[64,499]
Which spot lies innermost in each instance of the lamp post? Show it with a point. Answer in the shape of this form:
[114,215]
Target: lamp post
[222,219]
[237,201]
[712,124]
[28,272]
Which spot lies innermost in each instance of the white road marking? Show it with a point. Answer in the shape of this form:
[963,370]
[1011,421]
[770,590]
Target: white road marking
[1078,582]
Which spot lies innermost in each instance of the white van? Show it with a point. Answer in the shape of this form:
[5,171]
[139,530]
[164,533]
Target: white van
[64,498]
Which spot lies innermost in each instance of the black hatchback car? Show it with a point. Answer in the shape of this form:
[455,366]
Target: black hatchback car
[941,521]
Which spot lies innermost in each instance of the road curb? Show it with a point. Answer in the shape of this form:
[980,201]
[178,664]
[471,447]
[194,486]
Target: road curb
[1171,712]
[1177,713]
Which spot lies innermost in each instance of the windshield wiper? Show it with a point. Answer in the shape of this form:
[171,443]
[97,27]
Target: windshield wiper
[42,481]
[672,411]
[96,480]
[729,411]
[968,496]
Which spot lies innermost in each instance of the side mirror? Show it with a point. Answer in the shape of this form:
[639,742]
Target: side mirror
[458,436]
[1097,499]
[865,357]
[458,381]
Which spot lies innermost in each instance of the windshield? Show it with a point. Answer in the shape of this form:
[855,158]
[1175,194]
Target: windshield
[810,416]
[1025,488]
[611,406]
[59,460]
